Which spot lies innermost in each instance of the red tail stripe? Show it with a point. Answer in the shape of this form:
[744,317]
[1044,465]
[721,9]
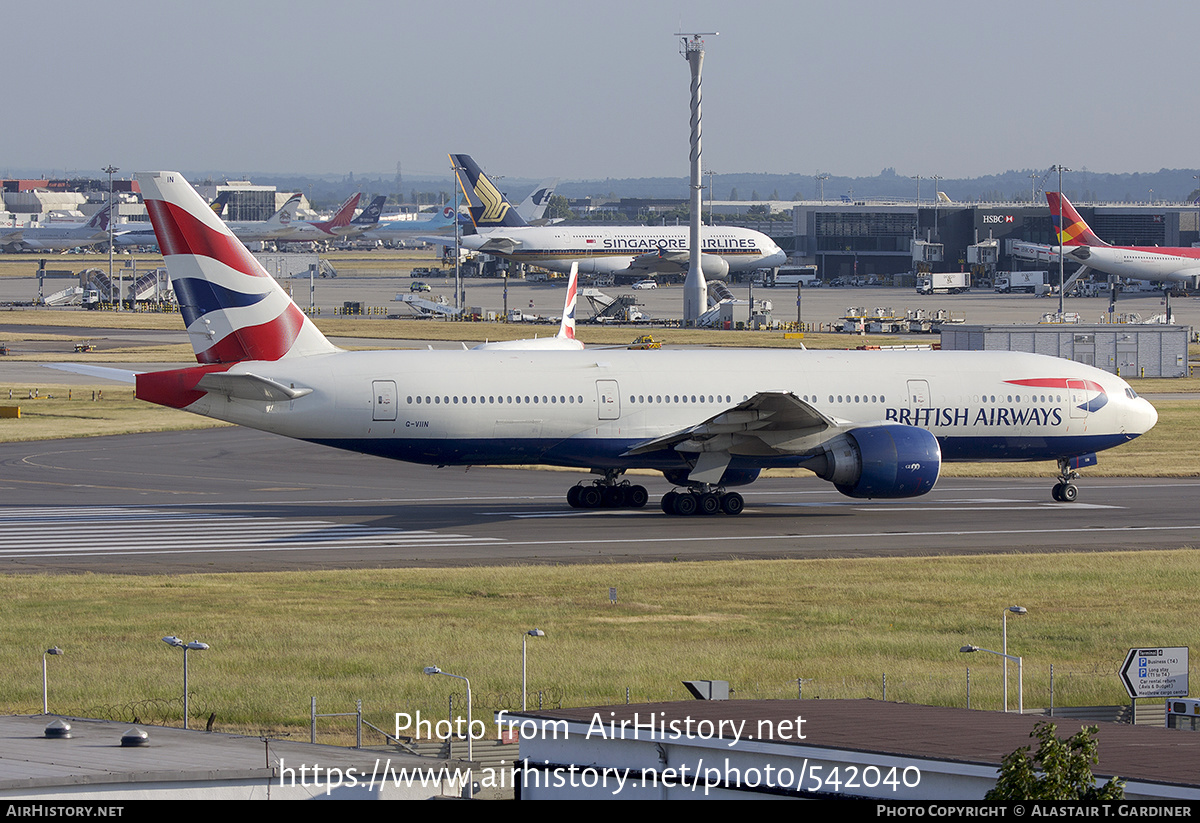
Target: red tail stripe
[268,341]
[179,232]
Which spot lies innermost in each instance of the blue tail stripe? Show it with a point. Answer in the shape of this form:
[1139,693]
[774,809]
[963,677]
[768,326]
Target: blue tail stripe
[198,297]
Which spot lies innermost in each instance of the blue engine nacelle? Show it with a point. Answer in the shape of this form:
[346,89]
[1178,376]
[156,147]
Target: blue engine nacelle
[881,461]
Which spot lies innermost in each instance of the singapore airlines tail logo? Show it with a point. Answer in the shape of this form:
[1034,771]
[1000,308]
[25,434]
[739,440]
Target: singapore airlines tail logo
[494,204]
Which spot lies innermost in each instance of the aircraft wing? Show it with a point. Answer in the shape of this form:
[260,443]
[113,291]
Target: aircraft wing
[667,262]
[769,423]
[249,387]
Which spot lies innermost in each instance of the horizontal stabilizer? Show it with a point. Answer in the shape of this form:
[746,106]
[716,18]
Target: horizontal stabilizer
[249,387]
[119,375]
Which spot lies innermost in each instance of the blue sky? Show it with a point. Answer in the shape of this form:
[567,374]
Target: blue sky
[587,91]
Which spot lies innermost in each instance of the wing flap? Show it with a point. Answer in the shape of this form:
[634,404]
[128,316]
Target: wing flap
[770,422]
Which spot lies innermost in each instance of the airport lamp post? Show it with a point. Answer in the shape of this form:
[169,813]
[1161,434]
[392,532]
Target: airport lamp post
[524,644]
[110,169]
[457,234]
[1020,673]
[195,646]
[1060,168]
[55,650]
[435,670]
[1017,610]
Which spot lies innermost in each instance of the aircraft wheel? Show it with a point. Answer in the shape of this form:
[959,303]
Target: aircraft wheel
[636,497]
[1069,493]
[614,497]
[732,503]
[686,504]
[1056,492]
[590,497]
[709,504]
[668,502]
[573,497]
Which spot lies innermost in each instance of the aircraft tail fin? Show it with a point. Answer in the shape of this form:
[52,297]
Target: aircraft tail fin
[566,329]
[233,309]
[533,208]
[218,205]
[99,221]
[489,209]
[371,214]
[1076,232]
[345,214]
[287,212]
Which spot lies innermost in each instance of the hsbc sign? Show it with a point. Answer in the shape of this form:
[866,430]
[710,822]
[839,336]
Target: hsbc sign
[997,218]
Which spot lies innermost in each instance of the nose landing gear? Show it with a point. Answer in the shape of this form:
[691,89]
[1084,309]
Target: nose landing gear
[1064,490]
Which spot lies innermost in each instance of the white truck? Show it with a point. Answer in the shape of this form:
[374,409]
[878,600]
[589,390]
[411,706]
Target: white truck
[950,282]
[1030,282]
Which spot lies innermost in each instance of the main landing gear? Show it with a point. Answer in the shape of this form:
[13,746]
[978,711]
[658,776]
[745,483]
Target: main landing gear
[1064,490]
[705,501]
[608,493]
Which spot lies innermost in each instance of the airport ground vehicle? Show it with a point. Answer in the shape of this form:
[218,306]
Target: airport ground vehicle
[951,282]
[1029,282]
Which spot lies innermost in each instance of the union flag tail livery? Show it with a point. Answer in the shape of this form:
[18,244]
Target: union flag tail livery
[488,207]
[1077,232]
[566,329]
[233,309]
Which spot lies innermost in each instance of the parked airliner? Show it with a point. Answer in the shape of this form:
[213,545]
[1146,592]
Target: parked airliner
[57,238]
[1158,263]
[875,424]
[602,249]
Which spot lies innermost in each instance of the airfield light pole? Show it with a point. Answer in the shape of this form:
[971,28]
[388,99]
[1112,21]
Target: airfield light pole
[917,177]
[821,178]
[524,643]
[470,728]
[1020,673]
[110,169]
[457,235]
[695,290]
[936,200]
[195,646]
[1017,610]
[55,650]
[1060,169]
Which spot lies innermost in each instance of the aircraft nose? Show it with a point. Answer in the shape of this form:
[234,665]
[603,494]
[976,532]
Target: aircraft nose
[1141,416]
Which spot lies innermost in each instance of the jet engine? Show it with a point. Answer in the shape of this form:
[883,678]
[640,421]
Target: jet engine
[881,461]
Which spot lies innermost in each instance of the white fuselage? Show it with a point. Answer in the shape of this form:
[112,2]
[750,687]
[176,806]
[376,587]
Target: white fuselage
[607,250]
[586,408]
[1140,263]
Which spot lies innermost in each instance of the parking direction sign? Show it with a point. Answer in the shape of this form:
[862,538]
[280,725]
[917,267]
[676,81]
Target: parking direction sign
[1156,672]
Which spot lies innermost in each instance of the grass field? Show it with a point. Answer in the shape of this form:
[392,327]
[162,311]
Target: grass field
[840,625]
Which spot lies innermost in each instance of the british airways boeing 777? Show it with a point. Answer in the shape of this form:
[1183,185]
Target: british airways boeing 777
[875,424]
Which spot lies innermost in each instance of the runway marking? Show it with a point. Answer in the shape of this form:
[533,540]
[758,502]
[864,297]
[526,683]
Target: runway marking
[115,530]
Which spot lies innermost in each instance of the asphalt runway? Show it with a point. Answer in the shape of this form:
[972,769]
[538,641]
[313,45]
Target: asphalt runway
[229,499]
